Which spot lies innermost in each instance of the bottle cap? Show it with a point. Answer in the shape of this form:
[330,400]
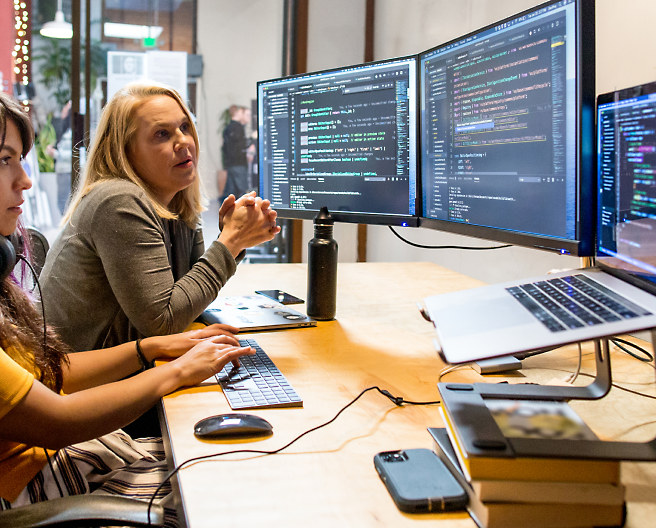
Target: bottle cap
[323,218]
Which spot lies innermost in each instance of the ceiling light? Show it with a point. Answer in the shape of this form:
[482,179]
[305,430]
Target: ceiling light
[58,28]
[131,31]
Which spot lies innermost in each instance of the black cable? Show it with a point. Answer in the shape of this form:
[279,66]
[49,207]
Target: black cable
[43,306]
[396,400]
[648,357]
[594,376]
[45,344]
[632,391]
[621,388]
[633,429]
[616,341]
[421,246]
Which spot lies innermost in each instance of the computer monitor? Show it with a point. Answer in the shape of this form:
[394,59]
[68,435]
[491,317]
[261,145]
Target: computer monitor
[344,139]
[507,130]
[626,163]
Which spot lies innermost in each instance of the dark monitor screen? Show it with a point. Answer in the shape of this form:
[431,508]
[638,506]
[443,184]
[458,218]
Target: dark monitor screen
[344,139]
[507,130]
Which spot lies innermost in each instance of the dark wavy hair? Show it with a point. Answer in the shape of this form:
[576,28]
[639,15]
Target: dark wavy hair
[21,325]
[10,109]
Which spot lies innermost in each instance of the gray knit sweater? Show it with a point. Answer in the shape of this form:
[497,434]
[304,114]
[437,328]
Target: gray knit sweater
[118,271]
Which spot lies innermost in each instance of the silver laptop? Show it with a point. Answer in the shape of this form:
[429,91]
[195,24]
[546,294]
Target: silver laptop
[254,313]
[617,296]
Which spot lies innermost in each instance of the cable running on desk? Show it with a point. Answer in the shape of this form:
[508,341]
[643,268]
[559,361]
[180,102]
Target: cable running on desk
[397,400]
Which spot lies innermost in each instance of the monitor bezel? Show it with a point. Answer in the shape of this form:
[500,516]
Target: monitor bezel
[344,216]
[584,243]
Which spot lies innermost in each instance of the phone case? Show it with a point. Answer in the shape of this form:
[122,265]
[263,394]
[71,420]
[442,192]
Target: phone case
[418,481]
[281,296]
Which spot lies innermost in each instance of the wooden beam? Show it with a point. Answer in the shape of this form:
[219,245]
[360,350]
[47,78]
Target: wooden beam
[302,9]
[294,58]
[368,57]
[369,30]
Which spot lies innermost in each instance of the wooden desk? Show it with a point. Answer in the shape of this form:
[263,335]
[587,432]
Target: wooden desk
[379,338]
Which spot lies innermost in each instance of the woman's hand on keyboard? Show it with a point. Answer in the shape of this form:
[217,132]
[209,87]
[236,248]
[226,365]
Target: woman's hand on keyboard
[173,346]
[207,358]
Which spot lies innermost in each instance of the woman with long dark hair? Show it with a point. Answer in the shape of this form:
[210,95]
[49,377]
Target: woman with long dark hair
[58,412]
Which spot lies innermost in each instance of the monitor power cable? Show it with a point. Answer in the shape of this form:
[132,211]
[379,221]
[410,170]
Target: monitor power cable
[647,358]
[396,400]
[421,246]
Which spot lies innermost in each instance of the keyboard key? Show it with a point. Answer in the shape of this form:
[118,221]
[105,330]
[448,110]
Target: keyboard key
[569,320]
[538,312]
[584,300]
[575,301]
[258,383]
[607,297]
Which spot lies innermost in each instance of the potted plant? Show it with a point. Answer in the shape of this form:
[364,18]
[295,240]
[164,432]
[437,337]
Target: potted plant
[46,136]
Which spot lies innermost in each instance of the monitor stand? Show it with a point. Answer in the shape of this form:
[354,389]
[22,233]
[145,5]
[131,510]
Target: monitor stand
[465,407]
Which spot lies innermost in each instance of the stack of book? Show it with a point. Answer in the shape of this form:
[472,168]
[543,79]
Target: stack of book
[534,492]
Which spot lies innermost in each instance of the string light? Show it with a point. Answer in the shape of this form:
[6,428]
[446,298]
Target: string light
[21,52]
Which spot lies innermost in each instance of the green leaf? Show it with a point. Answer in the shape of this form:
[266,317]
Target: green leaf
[47,136]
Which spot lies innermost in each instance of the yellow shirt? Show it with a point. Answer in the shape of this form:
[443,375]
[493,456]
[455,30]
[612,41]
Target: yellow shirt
[19,463]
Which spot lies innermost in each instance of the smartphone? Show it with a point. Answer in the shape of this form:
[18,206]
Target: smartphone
[280,296]
[419,482]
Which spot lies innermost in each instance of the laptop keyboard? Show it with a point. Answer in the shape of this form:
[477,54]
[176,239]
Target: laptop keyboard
[257,384]
[575,301]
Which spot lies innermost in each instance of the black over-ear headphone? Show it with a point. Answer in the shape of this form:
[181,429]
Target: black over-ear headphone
[10,248]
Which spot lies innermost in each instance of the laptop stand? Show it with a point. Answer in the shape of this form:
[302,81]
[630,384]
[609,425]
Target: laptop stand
[465,405]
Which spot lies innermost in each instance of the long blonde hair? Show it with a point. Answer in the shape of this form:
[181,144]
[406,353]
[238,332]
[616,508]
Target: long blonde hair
[108,157]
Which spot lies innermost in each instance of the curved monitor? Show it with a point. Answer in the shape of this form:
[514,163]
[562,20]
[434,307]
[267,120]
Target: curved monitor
[507,130]
[344,139]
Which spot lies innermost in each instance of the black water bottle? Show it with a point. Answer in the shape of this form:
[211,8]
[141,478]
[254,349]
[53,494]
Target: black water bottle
[322,269]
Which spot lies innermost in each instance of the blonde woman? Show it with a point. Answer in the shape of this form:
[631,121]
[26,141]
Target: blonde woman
[130,260]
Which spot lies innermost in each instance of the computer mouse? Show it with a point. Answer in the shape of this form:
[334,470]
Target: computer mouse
[233,425]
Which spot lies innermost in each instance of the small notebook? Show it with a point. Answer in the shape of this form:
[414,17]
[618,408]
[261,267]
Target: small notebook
[254,313]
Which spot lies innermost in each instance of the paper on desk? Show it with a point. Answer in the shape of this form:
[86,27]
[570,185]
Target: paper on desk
[209,381]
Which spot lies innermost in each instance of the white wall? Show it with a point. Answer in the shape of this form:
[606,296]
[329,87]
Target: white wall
[335,33]
[626,48]
[241,43]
